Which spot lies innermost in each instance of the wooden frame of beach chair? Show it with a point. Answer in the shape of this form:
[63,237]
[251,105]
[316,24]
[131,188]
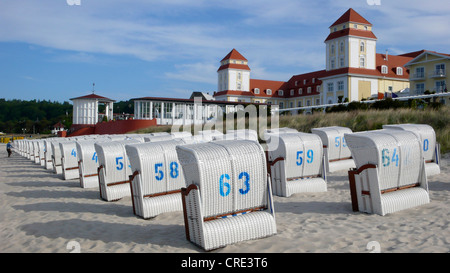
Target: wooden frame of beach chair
[430,147]
[228,195]
[296,163]
[390,173]
[157,177]
[114,169]
[337,155]
[69,160]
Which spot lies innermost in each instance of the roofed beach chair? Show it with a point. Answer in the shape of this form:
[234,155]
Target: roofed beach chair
[41,145]
[48,153]
[114,169]
[238,134]
[208,135]
[88,162]
[277,131]
[36,157]
[69,160]
[56,156]
[430,147]
[390,172]
[296,163]
[157,177]
[337,155]
[228,196]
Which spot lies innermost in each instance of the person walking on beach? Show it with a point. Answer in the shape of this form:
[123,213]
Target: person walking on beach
[8,148]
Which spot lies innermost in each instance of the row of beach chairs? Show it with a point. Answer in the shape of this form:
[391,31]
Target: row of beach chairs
[224,183]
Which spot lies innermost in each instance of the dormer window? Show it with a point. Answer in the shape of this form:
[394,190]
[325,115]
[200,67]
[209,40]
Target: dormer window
[292,92]
[343,27]
[304,82]
[313,80]
[309,90]
[295,83]
[384,69]
[269,91]
[355,26]
[300,91]
[280,92]
[256,90]
[399,71]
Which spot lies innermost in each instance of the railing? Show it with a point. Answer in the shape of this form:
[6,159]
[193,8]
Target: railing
[438,73]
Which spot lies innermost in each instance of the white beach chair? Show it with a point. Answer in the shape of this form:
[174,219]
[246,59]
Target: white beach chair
[41,152]
[430,147]
[69,160]
[88,162]
[157,177]
[337,155]
[296,163]
[36,158]
[114,169]
[390,174]
[208,135]
[277,131]
[158,137]
[56,155]
[228,196]
[48,153]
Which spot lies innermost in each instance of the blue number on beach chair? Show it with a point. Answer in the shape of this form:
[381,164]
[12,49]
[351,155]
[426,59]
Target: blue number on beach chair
[223,185]
[119,163]
[94,157]
[309,155]
[425,145]
[173,169]
[74,152]
[159,172]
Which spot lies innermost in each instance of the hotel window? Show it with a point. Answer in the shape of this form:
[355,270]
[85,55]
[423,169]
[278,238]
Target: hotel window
[341,48]
[355,26]
[420,88]
[238,86]
[292,104]
[362,62]
[256,90]
[362,47]
[343,27]
[399,71]
[384,69]
[332,49]
[299,103]
[281,105]
[440,70]
[341,62]
[335,29]
[308,103]
[330,86]
[300,91]
[304,81]
[366,28]
[239,75]
[292,92]
[440,86]
[257,101]
[340,85]
[317,101]
[314,80]
[295,83]
[420,72]
[280,92]
[269,92]
[318,89]
[332,63]
[308,90]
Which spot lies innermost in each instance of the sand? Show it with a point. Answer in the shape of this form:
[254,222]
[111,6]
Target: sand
[41,213]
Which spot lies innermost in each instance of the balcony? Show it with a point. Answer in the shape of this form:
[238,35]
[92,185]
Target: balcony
[438,73]
[418,76]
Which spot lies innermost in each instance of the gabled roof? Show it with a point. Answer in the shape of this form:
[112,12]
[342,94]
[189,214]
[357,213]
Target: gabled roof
[94,97]
[351,16]
[421,53]
[234,55]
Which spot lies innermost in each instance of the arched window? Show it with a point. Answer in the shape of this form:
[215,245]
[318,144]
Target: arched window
[384,69]
[399,71]
[362,47]
[269,91]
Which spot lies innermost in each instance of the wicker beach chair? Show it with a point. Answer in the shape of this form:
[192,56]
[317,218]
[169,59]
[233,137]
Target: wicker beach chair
[88,162]
[296,163]
[157,177]
[228,196]
[114,169]
[390,172]
[41,152]
[209,135]
[277,131]
[430,147]
[337,155]
[69,160]
[48,153]
[56,156]
[36,157]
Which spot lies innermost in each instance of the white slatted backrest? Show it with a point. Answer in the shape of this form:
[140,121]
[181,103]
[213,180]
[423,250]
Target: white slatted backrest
[69,153]
[158,165]
[396,153]
[113,157]
[232,175]
[333,138]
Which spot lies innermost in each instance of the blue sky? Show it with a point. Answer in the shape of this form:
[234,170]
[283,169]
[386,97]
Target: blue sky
[50,50]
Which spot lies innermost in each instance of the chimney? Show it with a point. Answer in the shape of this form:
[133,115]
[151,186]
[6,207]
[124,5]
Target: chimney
[387,55]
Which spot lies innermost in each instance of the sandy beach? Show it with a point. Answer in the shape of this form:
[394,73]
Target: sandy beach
[42,213]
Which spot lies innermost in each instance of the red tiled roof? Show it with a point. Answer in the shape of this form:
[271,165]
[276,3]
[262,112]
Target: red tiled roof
[263,85]
[351,32]
[235,55]
[351,16]
[93,96]
[235,66]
